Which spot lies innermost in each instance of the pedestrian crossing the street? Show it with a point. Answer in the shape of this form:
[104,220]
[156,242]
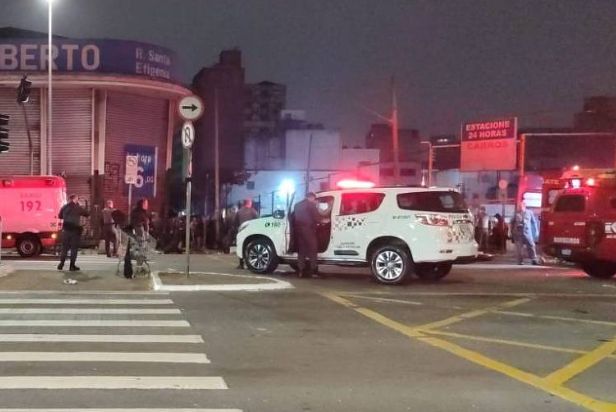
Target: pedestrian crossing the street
[102,353]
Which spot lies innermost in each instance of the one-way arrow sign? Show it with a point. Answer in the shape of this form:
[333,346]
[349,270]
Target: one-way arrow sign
[190,108]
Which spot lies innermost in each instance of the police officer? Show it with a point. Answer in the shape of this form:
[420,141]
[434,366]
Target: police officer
[71,230]
[245,214]
[525,231]
[305,220]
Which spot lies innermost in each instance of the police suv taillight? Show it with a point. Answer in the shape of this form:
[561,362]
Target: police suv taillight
[432,219]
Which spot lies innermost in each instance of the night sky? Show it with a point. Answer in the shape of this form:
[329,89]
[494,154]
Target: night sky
[454,60]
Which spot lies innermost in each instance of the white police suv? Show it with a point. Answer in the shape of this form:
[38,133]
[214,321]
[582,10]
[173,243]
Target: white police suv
[396,231]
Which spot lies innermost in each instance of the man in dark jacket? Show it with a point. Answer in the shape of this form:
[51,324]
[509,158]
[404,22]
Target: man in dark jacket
[71,214]
[305,219]
[139,218]
[110,233]
[245,214]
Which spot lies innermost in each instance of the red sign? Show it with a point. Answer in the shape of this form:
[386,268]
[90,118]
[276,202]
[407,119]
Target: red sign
[489,145]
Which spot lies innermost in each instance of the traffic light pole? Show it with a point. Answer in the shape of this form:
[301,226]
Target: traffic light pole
[30,145]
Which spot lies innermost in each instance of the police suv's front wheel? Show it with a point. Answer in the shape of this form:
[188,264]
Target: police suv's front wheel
[260,256]
[391,264]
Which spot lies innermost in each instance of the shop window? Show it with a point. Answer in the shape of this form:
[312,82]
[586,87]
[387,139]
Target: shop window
[250,185]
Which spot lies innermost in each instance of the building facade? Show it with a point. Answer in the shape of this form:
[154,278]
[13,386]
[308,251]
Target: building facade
[110,99]
[411,154]
[222,89]
[263,137]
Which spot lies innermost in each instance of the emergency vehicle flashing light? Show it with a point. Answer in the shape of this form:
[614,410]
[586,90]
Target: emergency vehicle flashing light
[355,184]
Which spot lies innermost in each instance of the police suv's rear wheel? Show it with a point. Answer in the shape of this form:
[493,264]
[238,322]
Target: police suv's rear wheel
[599,270]
[260,256]
[28,246]
[432,271]
[390,264]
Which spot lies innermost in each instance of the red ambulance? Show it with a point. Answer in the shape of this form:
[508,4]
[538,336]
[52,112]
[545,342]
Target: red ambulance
[580,225]
[29,207]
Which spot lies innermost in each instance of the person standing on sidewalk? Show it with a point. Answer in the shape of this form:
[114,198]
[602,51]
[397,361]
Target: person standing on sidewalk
[525,231]
[110,230]
[140,220]
[245,214]
[71,214]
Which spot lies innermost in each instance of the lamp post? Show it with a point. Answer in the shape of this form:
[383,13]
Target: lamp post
[49,90]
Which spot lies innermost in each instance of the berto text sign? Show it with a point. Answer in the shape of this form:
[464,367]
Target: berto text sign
[489,145]
[90,56]
[145,184]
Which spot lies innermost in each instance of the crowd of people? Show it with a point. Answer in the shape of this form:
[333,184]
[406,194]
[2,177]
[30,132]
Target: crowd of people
[492,232]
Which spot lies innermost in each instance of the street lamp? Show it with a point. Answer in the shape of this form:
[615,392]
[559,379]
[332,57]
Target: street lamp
[49,90]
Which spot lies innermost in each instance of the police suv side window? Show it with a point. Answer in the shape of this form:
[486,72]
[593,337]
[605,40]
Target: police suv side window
[570,203]
[432,201]
[355,203]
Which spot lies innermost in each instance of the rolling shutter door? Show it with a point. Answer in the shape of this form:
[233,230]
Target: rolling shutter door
[17,160]
[72,139]
[137,120]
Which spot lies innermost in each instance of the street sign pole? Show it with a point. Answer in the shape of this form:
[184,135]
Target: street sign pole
[188,210]
[130,199]
[190,108]
[188,138]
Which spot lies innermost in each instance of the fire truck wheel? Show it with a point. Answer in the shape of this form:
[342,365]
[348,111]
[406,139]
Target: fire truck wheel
[28,246]
[599,270]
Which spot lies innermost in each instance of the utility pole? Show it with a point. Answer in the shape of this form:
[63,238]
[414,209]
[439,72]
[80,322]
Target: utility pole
[394,132]
[430,161]
[216,167]
[307,168]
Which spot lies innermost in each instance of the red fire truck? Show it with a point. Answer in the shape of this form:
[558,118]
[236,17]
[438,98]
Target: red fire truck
[580,225]
[29,207]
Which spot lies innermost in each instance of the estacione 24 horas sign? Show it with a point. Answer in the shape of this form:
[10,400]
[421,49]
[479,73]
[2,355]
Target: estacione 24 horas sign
[489,145]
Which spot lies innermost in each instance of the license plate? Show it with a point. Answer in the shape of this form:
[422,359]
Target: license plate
[565,252]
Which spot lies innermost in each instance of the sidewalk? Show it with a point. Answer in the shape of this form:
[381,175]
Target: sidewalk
[5,269]
[52,280]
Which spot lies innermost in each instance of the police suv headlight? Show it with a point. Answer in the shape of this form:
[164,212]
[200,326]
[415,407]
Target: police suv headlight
[242,227]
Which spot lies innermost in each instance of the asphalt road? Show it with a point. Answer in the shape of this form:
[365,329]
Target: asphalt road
[483,339]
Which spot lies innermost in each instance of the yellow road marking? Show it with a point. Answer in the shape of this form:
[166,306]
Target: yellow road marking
[531,315]
[406,302]
[407,330]
[582,363]
[479,359]
[471,314]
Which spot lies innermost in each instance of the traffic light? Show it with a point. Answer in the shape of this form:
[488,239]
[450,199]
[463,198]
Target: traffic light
[4,133]
[23,91]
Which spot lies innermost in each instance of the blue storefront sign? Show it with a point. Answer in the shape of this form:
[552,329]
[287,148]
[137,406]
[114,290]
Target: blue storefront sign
[90,56]
[145,185]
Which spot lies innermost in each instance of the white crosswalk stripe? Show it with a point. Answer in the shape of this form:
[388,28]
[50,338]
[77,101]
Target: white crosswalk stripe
[41,337]
[120,410]
[106,348]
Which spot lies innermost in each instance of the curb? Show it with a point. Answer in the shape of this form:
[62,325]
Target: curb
[486,266]
[158,285]
[5,270]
